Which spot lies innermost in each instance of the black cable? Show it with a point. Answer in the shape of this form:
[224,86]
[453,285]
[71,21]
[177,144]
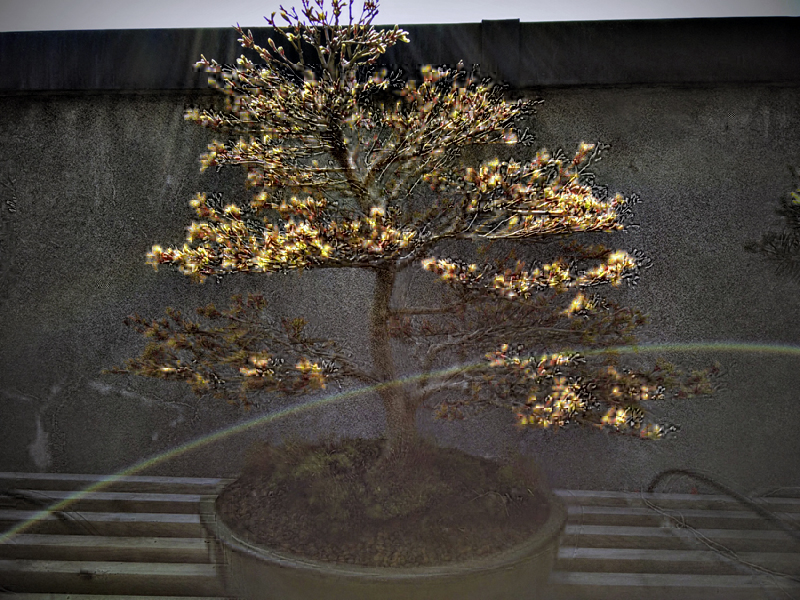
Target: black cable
[739,498]
[792,530]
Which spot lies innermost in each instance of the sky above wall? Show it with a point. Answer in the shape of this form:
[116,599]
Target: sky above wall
[50,15]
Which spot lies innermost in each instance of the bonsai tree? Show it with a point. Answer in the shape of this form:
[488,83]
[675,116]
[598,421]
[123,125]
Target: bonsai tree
[338,157]
[783,248]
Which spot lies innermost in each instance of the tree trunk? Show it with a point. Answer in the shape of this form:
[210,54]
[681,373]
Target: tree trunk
[401,430]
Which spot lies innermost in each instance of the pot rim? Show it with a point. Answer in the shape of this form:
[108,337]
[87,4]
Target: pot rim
[540,542]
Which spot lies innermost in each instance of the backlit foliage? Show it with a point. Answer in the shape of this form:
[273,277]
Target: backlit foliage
[335,167]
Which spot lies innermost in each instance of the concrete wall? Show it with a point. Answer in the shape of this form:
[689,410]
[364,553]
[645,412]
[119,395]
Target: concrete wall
[97,164]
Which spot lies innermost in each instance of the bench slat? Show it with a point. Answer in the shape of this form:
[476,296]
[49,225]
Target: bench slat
[104,577]
[645,516]
[653,586]
[92,548]
[129,483]
[695,562]
[107,524]
[621,536]
[36,596]
[673,501]
[110,501]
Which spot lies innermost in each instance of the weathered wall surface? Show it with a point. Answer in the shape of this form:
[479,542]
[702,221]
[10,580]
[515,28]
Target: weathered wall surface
[94,173]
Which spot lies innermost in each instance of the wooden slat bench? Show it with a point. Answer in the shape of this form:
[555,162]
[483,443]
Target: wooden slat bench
[137,536]
[141,537]
[615,546]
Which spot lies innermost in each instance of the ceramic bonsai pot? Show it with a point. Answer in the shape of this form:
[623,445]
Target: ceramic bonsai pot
[254,572]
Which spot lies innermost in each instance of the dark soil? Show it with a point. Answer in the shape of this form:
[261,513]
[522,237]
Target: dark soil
[338,502]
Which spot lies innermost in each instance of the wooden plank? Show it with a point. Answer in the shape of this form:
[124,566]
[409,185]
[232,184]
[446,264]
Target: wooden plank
[107,524]
[636,586]
[695,501]
[643,517]
[621,536]
[109,577]
[695,562]
[204,481]
[92,548]
[111,501]
[128,483]
[35,596]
